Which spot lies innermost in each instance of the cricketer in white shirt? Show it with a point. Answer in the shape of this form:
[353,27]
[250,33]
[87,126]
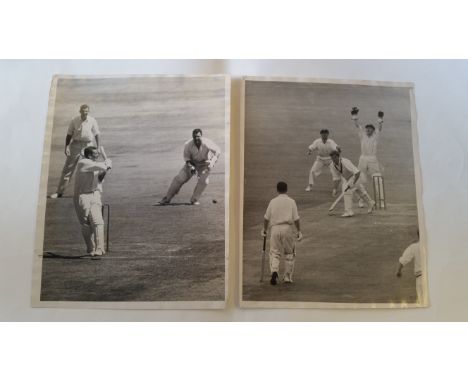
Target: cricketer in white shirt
[87,199]
[281,217]
[413,253]
[351,182]
[200,156]
[324,147]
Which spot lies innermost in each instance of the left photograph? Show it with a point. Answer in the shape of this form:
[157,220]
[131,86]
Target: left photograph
[133,203]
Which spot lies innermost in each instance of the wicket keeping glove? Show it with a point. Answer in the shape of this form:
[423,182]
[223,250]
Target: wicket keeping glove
[354,113]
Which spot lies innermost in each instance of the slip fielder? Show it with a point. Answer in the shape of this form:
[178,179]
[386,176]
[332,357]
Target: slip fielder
[87,199]
[200,156]
[350,183]
[82,130]
[369,136]
[324,147]
[281,215]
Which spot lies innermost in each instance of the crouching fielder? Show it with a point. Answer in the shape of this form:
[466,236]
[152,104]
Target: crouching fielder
[200,156]
[87,199]
[281,215]
[413,253]
[351,183]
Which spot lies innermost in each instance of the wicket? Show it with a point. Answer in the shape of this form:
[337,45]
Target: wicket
[104,206]
[379,191]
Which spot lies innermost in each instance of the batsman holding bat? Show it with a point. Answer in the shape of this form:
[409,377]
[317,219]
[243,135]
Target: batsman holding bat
[81,132]
[87,199]
[351,183]
[282,216]
[200,156]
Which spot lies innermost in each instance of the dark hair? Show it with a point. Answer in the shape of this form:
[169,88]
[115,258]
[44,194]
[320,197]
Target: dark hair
[84,106]
[371,126]
[335,152]
[282,187]
[89,150]
[324,131]
[196,131]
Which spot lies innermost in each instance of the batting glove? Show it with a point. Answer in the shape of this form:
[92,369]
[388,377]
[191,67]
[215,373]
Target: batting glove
[108,164]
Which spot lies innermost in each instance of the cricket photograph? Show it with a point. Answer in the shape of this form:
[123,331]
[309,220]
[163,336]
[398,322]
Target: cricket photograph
[332,212]
[133,210]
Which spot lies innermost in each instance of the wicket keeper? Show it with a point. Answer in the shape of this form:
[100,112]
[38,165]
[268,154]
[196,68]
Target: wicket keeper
[282,216]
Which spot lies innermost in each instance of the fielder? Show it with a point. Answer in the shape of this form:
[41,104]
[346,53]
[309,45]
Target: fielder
[324,147]
[87,199]
[200,156]
[81,133]
[369,136]
[413,253]
[351,183]
[281,215]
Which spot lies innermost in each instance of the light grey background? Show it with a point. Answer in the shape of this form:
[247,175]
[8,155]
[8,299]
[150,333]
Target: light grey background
[441,98]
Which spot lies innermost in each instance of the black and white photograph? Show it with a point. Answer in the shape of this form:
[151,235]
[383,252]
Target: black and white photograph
[133,210]
[332,215]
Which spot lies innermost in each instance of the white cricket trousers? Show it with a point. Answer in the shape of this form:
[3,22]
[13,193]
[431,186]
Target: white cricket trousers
[317,168]
[348,195]
[368,165]
[283,242]
[419,289]
[76,148]
[184,175]
[88,208]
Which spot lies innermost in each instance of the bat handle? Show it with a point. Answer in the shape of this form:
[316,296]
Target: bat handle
[264,243]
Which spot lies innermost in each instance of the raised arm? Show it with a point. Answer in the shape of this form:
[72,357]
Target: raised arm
[355,117]
[380,116]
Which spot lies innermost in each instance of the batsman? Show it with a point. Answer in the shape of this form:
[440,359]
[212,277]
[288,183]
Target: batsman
[282,217]
[200,156]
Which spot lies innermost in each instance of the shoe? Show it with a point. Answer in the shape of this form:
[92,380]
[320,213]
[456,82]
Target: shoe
[287,279]
[99,252]
[195,203]
[308,188]
[334,192]
[274,278]
[55,195]
[360,203]
[164,201]
[347,214]
[371,207]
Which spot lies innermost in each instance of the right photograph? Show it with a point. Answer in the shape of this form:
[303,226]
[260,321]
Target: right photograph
[332,204]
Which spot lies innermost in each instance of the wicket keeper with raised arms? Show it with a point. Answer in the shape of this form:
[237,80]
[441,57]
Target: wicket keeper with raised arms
[350,183]
[281,217]
[87,199]
[369,137]
[200,156]
[324,147]
[82,131]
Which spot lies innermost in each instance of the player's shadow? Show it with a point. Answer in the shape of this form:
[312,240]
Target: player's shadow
[171,204]
[53,255]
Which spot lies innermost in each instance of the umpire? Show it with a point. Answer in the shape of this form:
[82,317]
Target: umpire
[281,215]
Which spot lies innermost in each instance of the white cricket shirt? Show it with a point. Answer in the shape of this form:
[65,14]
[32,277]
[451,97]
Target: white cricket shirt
[345,169]
[323,149]
[282,210]
[200,155]
[83,131]
[410,253]
[87,172]
[369,144]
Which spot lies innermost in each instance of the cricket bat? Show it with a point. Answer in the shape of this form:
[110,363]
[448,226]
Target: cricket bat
[263,259]
[332,207]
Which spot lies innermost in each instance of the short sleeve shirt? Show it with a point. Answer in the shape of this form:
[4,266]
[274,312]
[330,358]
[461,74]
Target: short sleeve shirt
[410,253]
[282,210]
[345,168]
[323,149]
[83,131]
